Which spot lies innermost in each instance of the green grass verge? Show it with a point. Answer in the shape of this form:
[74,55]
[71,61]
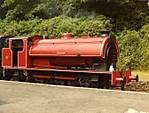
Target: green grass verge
[143,74]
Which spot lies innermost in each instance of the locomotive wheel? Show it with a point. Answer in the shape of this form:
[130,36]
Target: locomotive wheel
[87,83]
[123,84]
[101,84]
[69,83]
[104,82]
[7,74]
[30,78]
[107,84]
[21,76]
[94,84]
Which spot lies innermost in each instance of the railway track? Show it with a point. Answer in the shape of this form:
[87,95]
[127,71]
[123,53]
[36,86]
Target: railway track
[140,86]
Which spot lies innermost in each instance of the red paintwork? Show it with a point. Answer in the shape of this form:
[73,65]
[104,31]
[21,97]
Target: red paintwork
[56,77]
[83,47]
[22,55]
[65,78]
[29,60]
[117,77]
[46,62]
[41,76]
[40,62]
[24,60]
[6,57]
[69,51]
[62,70]
[56,55]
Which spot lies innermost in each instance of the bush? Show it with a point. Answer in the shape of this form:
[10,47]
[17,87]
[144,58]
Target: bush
[129,44]
[56,26]
[134,44]
[77,26]
[21,28]
[134,48]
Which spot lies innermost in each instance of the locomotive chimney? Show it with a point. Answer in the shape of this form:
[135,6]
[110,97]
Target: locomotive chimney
[66,36]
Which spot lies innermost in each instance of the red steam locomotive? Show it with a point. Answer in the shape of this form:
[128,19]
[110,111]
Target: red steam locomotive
[83,61]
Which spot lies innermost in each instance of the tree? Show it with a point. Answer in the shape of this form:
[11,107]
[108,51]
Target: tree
[129,14]
[28,9]
[124,18]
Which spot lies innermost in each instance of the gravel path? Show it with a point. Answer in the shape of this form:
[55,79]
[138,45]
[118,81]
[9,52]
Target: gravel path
[18,97]
[141,86]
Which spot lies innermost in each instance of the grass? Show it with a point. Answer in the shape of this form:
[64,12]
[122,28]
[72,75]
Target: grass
[143,74]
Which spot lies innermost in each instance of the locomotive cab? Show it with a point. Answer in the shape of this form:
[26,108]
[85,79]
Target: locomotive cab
[17,46]
[15,53]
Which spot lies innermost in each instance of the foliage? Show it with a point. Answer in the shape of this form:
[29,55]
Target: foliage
[129,44]
[18,28]
[29,9]
[56,26]
[127,19]
[129,14]
[134,48]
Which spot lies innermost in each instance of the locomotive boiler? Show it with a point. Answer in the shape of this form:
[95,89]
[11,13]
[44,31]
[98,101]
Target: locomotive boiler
[93,52]
[83,61]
